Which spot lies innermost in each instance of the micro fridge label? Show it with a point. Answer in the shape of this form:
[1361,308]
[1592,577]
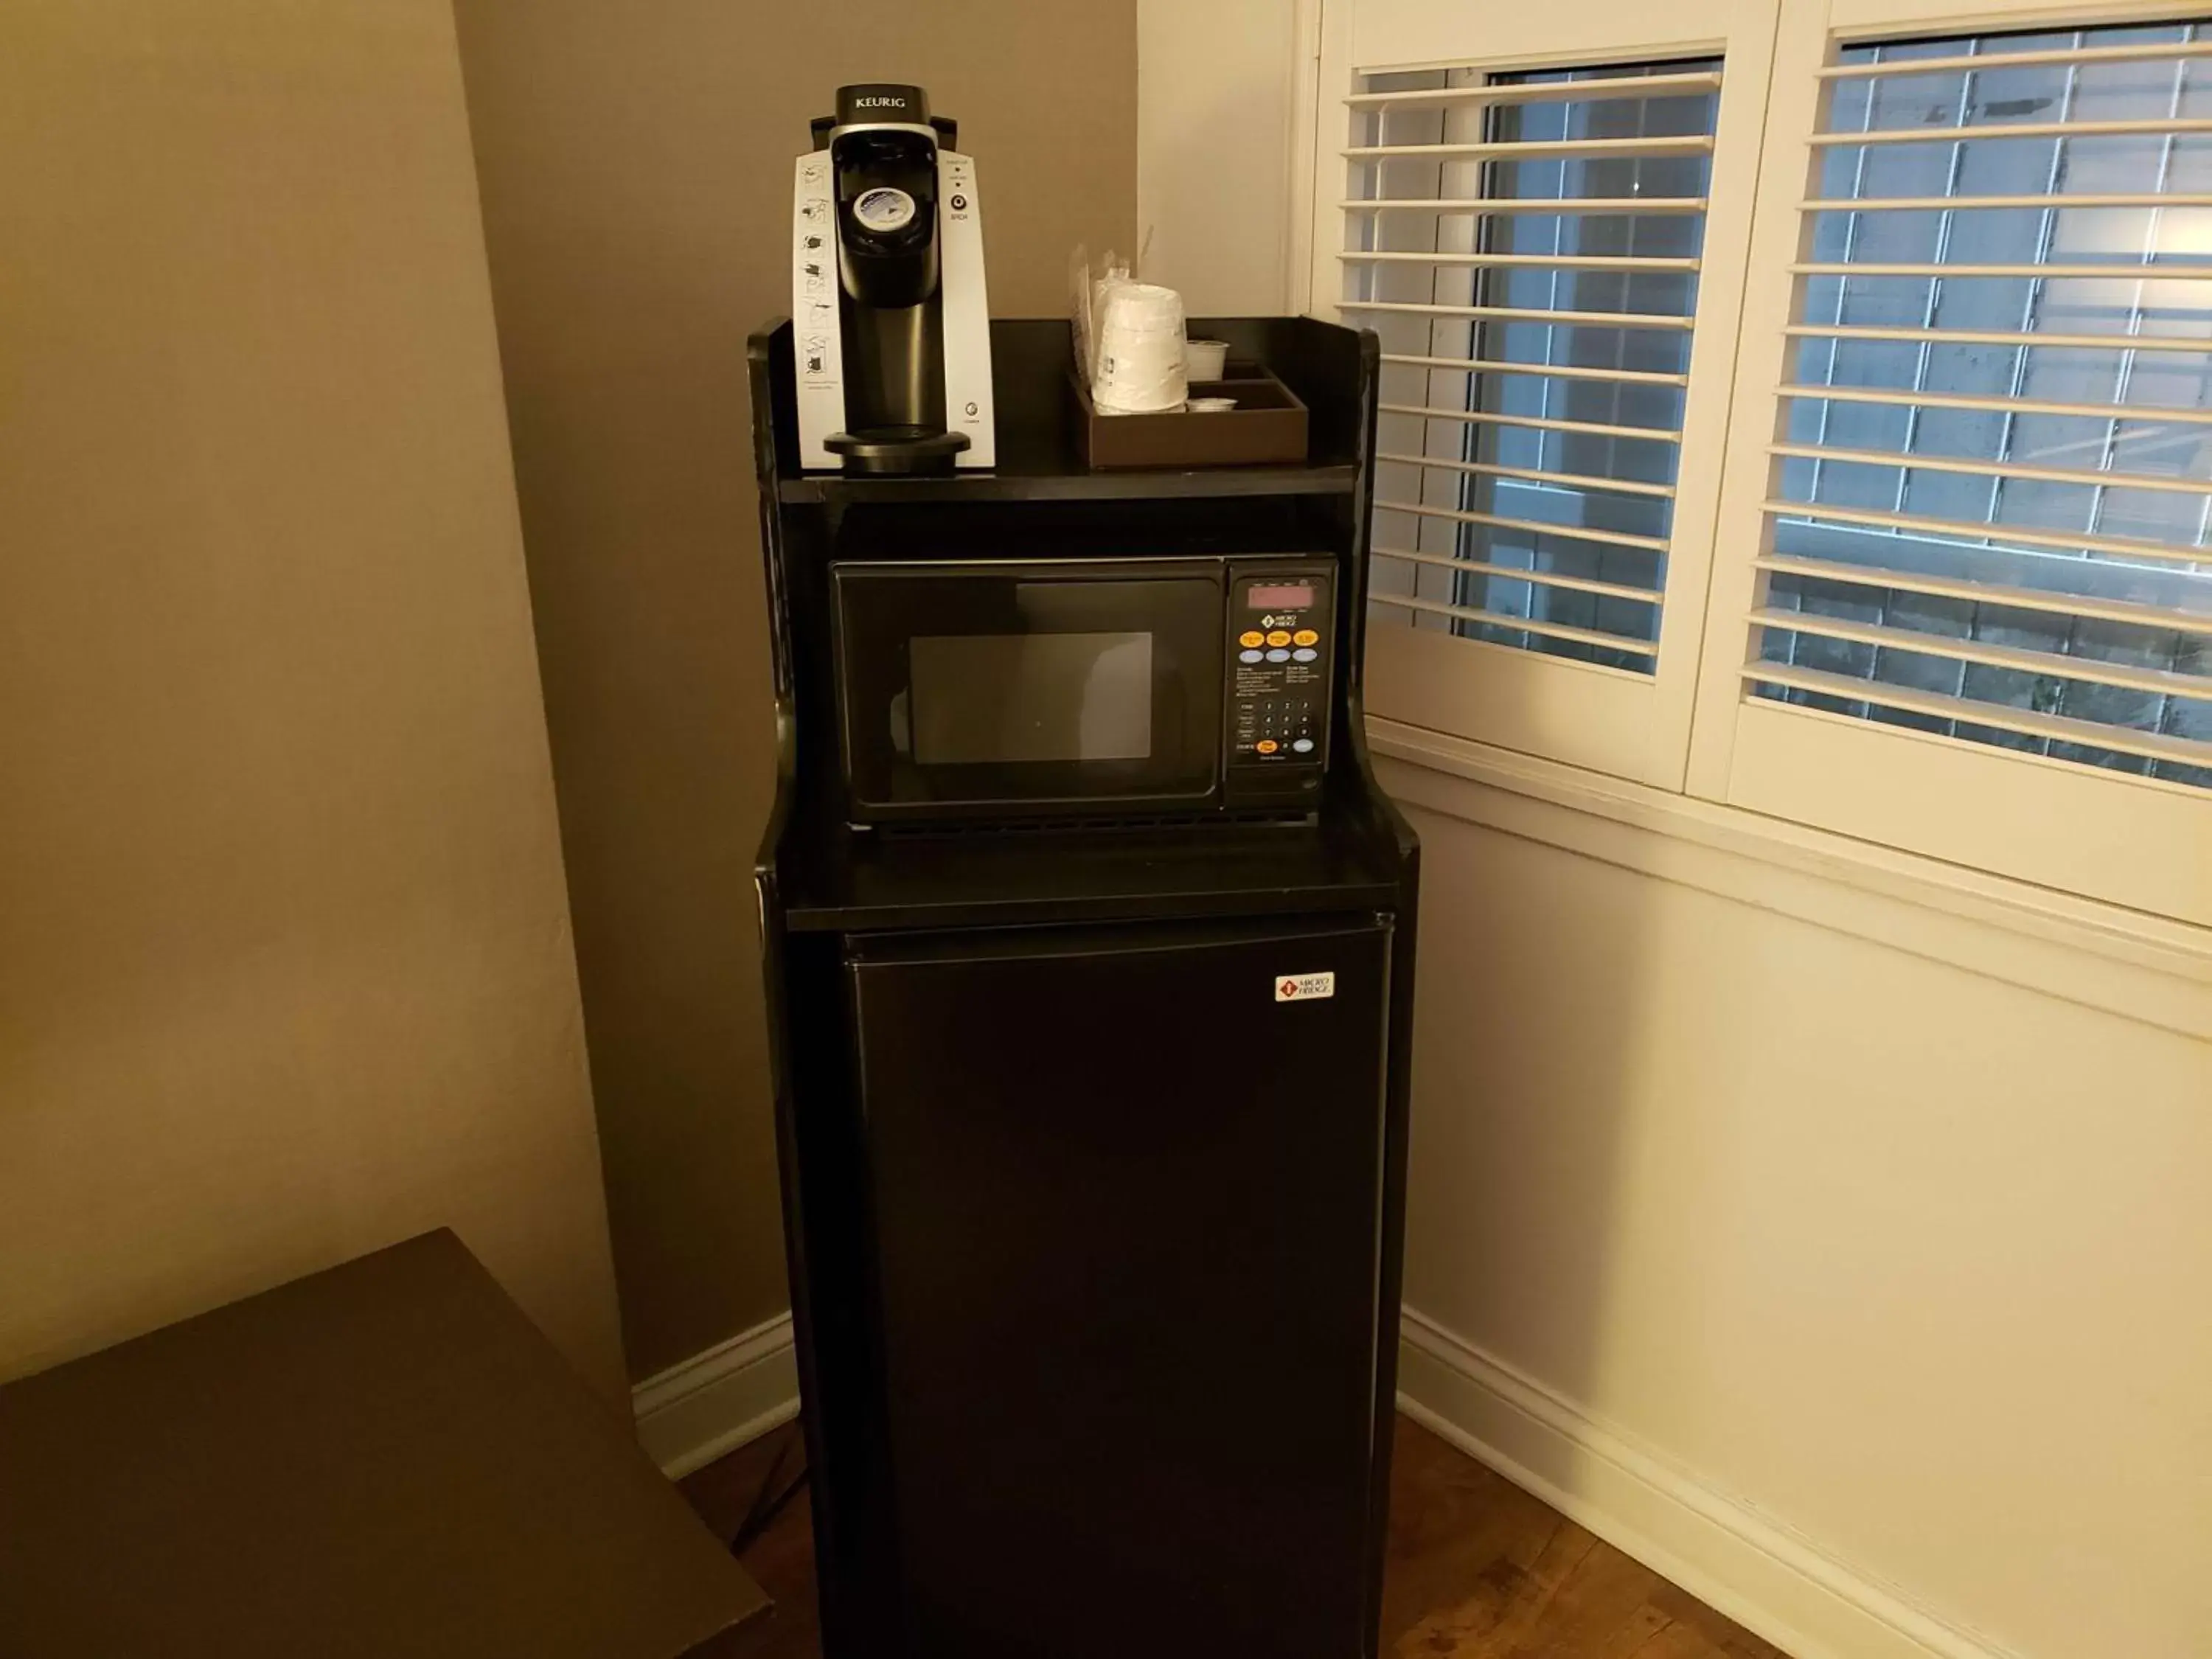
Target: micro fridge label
[1304,987]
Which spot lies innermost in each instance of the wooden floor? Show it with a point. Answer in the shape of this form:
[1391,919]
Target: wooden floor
[1478,1569]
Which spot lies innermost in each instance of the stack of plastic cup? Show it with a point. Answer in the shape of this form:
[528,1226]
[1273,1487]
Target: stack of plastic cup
[1140,350]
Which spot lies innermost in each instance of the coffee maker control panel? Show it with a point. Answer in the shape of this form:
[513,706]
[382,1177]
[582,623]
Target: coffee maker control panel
[967,319]
[955,185]
[1280,669]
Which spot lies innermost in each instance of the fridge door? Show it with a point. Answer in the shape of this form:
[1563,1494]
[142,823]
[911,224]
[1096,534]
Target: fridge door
[1126,1188]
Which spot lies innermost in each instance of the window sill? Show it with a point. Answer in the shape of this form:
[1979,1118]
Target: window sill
[2142,967]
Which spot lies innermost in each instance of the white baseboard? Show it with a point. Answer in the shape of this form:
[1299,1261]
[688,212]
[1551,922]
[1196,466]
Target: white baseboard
[715,1401]
[1767,1578]
[1762,1575]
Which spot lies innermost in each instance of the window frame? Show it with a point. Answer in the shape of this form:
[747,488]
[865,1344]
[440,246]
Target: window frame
[2112,837]
[2145,843]
[1627,724]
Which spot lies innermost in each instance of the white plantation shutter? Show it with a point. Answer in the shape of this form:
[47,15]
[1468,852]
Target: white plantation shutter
[2027,557]
[1543,247]
[1805,405]
[1980,512]
[1545,320]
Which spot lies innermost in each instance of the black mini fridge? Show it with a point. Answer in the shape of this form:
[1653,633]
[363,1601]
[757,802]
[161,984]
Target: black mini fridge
[1127,1205]
[1091,1119]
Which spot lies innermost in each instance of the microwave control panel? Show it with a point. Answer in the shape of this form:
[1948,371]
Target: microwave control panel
[1280,670]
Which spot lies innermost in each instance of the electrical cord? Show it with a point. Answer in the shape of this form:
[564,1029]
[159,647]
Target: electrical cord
[769,1501]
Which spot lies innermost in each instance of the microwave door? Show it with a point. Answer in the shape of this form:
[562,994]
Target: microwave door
[975,690]
[1042,698]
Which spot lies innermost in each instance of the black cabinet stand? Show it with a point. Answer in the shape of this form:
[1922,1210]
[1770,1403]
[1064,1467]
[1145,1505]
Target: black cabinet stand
[1094,1233]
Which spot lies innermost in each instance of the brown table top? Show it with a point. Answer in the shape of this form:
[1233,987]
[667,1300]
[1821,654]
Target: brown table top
[384,1459]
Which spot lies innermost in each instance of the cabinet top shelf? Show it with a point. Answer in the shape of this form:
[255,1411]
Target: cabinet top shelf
[1016,483]
[1332,369]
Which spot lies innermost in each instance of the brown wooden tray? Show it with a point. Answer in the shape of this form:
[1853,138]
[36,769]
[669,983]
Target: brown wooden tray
[1267,427]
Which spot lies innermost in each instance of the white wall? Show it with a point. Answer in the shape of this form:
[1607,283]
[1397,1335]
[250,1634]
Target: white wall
[1903,1260]
[1849,1261]
[1215,81]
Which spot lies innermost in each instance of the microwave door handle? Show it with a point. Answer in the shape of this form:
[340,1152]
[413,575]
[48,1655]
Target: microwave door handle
[902,726]
[1173,695]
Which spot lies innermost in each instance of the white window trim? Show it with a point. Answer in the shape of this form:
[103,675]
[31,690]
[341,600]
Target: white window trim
[2142,914]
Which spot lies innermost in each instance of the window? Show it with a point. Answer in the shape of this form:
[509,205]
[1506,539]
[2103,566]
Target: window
[1540,283]
[1552,252]
[1995,478]
[1969,604]
[1819,421]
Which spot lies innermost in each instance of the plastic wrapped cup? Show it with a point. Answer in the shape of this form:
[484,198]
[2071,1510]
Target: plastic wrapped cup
[1140,350]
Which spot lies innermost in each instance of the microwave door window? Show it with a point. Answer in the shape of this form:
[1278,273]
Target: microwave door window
[1000,699]
[967,692]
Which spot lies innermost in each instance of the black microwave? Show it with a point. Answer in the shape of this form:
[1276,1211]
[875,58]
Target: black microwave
[1089,687]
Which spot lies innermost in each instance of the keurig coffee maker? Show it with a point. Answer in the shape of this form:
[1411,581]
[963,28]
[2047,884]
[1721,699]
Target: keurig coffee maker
[887,294]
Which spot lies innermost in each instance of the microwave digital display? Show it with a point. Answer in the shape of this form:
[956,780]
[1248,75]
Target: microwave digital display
[998,699]
[1279,596]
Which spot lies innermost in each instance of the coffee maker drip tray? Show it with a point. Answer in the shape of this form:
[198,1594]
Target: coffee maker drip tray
[897,448]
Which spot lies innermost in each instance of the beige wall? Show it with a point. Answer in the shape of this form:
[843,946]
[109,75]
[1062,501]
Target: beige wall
[636,163]
[285,971]
[1215,85]
[1905,1259]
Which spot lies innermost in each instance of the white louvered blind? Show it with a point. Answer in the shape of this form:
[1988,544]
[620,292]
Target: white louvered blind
[1527,247]
[1990,512]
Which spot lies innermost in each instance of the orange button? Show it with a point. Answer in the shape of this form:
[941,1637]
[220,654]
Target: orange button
[1267,745]
[1280,636]
[1251,637]
[1305,636]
